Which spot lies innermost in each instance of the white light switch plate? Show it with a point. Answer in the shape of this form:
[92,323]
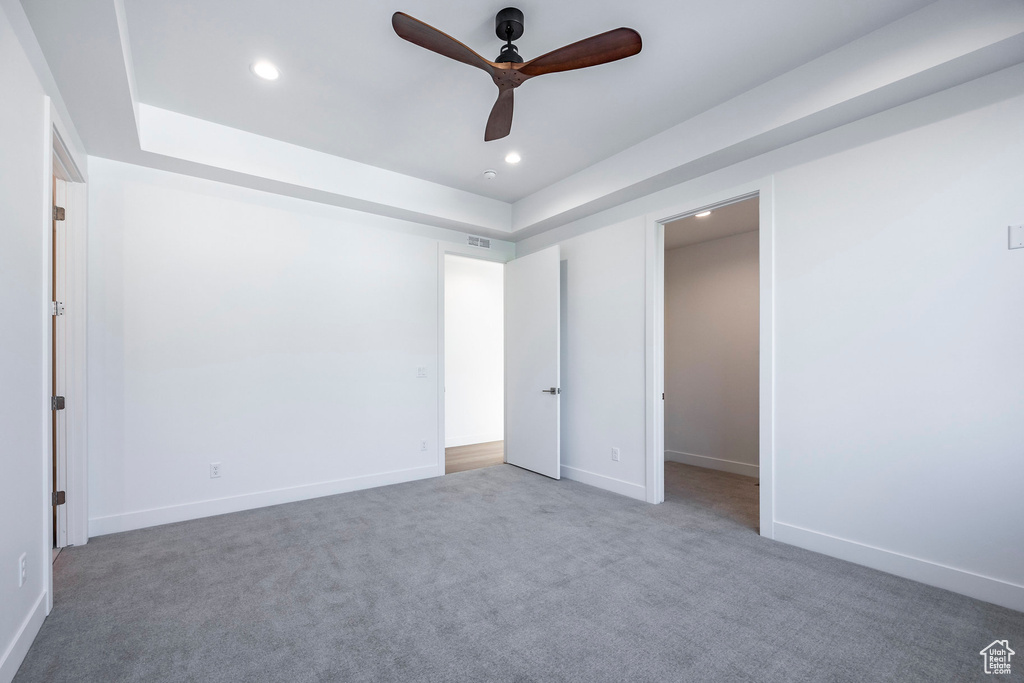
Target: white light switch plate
[1017,237]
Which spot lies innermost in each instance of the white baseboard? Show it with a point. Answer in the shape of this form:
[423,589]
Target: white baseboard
[600,481]
[16,651]
[957,580]
[713,463]
[453,441]
[141,519]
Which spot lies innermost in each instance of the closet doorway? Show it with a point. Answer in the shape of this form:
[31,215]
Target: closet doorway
[711,370]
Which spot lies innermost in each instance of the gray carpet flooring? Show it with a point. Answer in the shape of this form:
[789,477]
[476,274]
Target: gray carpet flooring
[498,574]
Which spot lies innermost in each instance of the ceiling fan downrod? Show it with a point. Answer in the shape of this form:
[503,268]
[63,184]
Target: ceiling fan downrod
[508,26]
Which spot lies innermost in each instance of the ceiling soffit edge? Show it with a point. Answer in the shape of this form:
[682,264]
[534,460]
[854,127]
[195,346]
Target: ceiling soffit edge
[796,105]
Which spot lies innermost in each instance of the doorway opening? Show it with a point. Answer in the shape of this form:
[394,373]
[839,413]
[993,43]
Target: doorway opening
[712,361]
[474,358]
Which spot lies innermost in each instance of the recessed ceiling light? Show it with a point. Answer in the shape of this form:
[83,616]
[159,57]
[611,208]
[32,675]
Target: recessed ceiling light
[489,174]
[513,157]
[265,70]
[703,214]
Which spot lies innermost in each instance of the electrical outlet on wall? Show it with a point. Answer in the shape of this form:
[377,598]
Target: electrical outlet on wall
[22,569]
[1017,237]
[421,372]
[423,444]
[615,454]
[214,470]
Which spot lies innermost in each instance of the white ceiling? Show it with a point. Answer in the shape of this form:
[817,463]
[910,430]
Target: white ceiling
[724,221]
[364,120]
[350,87]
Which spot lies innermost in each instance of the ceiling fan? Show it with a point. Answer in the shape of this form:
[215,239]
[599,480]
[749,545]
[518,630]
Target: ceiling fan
[509,71]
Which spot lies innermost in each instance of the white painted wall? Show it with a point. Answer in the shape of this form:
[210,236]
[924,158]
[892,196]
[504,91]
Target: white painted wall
[474,341]
[900,382]
[899,378]
[711,354]
[278,337]
[603,357]
[24,423]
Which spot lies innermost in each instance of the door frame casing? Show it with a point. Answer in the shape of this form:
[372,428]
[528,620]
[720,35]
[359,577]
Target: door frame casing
[655,339]
[467,251]
[59,157]
[75,288]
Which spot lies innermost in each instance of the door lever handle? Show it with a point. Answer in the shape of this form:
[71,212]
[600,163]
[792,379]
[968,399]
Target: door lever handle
[552,390]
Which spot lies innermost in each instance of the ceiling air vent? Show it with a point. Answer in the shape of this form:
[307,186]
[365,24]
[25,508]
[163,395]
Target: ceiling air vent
[475,241]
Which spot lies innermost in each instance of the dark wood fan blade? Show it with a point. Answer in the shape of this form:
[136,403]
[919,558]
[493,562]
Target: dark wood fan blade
[600,49]
[426,36]
[499,123]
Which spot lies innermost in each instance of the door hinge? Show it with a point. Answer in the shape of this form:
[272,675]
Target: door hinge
[58,498]
[56,403]
[56,308]
[58,213]
[663,396]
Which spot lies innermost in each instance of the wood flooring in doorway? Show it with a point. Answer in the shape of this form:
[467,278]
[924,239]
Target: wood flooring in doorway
[473,456]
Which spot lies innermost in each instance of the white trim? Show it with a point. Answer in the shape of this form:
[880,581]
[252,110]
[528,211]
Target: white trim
[960,581]
[470,439]
[69,167]
[659,368]
[46,461]
[140,519]
[600,481]
[439,465]
[712,463]
[500,255]
[11,660]
[57,132]
[654,325]
[655,345]
[766,361]
[76,385]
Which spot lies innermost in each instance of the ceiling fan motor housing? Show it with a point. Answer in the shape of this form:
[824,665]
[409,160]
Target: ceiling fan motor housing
[509,53]
[509,18]
[508,25]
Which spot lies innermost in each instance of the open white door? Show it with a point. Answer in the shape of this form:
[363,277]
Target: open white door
[532,392]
